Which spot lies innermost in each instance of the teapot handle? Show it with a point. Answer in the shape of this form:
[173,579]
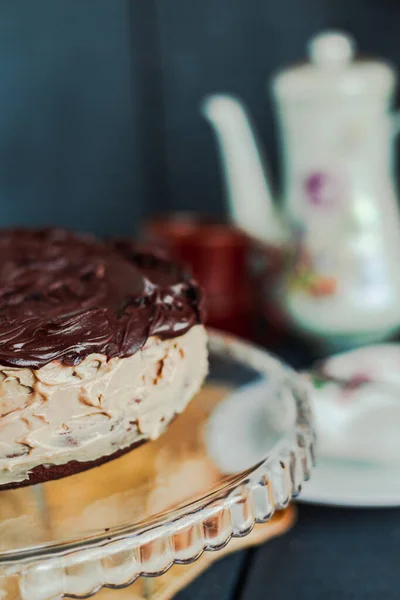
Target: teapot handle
[395,119]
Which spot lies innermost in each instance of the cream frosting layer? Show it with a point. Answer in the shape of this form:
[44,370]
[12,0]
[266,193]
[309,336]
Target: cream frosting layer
[57,413]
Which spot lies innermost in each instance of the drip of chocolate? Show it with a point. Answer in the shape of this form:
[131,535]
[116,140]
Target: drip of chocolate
[64,296]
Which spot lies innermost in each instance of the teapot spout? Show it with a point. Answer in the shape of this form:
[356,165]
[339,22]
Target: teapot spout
[247,187]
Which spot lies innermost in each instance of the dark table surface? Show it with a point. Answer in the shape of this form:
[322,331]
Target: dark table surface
[331,553]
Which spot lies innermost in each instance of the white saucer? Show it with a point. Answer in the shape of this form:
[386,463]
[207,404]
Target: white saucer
[337,482]
[358,454]
[355,396]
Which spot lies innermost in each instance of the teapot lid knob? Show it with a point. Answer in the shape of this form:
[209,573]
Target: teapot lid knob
[333,72]
[331,49]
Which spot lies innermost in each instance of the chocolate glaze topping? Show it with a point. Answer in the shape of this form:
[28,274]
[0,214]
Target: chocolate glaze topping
[64,296]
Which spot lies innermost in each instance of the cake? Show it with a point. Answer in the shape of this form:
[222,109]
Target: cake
[102,344]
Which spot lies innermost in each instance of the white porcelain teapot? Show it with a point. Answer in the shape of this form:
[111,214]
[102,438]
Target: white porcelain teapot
[339,196]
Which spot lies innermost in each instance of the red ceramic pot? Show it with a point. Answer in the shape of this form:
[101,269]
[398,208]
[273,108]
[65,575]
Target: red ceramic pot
[219,256]
[236,273]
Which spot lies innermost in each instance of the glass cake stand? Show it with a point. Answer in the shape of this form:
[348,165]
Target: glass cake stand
[240,451]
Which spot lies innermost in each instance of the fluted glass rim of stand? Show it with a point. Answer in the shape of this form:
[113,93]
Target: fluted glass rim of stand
[118,557]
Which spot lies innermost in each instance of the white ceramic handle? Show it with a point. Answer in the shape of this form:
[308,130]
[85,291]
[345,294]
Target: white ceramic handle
[395,117]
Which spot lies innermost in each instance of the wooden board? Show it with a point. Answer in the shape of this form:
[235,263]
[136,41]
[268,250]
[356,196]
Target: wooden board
[179,576]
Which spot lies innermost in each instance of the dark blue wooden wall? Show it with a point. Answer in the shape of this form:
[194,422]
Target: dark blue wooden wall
[99,102]
[69,151]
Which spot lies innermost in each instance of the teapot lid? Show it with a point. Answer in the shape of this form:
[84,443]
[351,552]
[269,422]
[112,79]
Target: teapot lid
[332,70]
